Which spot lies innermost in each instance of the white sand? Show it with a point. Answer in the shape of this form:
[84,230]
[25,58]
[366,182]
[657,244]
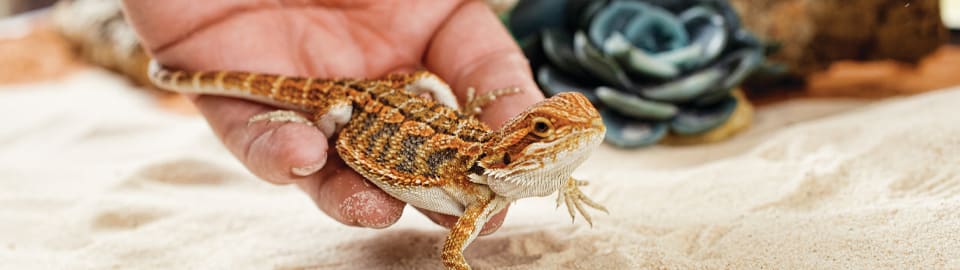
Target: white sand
[92,177]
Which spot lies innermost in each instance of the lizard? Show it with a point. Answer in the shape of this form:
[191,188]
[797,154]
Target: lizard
[428,152]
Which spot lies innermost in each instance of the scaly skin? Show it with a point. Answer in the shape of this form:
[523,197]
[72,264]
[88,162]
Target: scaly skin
[426,152]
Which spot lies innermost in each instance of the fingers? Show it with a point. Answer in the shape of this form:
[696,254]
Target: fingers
[345,196]
[473,49]
[160,23]
[448,221]
[223,35]
[280,153]
[275,152]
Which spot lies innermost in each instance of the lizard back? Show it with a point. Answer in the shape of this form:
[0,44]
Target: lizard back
[405,140]
[393,137]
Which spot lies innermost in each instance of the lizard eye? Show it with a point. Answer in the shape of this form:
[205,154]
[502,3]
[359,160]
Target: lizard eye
[541,127]
[506,159]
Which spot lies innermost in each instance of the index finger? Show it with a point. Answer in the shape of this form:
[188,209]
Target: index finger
[473,49]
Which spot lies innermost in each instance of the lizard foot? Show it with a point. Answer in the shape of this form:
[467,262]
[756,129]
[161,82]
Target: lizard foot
[574,198]
[475,103]
[280,116]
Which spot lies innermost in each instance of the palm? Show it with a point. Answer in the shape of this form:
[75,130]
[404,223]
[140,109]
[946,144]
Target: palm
[461,41]
[319,41]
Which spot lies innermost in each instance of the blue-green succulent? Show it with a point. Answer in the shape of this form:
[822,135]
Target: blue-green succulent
[655,68]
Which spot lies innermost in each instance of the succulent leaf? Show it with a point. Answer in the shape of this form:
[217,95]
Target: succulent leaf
[655,68]
[601,66]
[686,88]
[700,119]
[635,106]
[637,61]
[553,82]
[627,133]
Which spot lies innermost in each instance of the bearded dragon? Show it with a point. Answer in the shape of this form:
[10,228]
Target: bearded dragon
[430,153]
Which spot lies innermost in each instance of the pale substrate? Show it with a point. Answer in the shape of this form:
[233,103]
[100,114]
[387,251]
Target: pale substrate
[92,176]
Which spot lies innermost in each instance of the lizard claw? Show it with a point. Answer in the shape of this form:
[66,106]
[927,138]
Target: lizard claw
[574,198]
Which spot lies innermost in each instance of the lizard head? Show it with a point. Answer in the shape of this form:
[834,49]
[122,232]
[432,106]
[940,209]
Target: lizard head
[535,152]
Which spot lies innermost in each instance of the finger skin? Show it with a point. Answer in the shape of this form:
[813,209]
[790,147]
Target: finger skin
[271,150]
[486,58]
[346,197]
[265,147]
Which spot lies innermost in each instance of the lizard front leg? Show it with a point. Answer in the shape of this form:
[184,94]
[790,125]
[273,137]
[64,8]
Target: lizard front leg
[571,195]
[466,230]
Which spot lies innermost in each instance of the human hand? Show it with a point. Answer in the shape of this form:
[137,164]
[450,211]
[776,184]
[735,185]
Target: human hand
[460,41]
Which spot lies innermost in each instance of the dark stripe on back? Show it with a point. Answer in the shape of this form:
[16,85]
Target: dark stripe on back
[368,121]
[407,153]
[385,131]
[438,159]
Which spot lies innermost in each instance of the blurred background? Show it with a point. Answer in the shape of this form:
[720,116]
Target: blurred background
[685,72]
[10,7]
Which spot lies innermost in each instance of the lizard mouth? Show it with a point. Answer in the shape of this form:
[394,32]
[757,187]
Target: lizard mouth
[542,175]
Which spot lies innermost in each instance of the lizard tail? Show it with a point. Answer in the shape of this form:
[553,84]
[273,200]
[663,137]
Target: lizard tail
[264,88]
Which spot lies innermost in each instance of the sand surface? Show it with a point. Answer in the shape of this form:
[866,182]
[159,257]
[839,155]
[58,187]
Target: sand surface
[93,176]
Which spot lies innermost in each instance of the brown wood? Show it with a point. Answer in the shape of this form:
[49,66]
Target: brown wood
[816,33]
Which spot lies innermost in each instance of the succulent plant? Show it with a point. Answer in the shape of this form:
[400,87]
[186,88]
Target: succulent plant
[656,68]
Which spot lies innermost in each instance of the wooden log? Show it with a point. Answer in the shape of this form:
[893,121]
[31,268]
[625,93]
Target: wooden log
[815,33]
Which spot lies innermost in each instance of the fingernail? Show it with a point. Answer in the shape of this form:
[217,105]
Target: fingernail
[309,169]
[371,209]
